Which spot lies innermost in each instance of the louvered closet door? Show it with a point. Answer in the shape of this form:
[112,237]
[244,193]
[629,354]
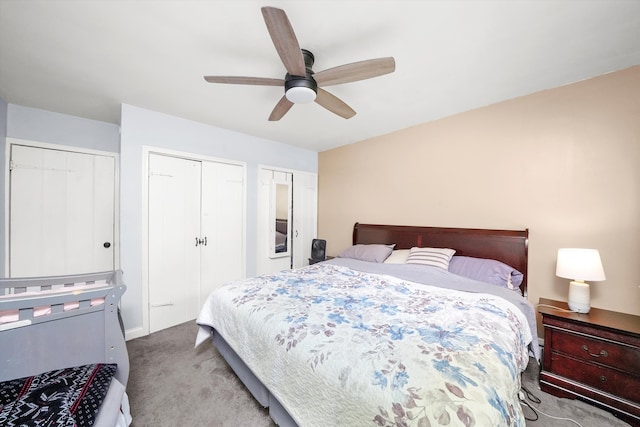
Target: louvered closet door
[174,225]
[222,258]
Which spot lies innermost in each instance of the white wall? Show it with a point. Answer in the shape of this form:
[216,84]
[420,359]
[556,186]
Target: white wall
[140,127]
[55,128]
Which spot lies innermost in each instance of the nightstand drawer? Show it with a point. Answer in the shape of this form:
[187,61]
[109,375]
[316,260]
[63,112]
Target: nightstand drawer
[595,350]
[600,377]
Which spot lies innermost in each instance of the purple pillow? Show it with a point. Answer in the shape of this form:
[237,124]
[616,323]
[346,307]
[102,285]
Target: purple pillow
[486,270]
[371,253]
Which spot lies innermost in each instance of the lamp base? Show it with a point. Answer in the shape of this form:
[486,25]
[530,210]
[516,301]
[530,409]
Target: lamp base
[579,297]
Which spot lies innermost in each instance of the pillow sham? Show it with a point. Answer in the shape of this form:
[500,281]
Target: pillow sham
[486,270]
[398,256]
[435,257]
[371,253]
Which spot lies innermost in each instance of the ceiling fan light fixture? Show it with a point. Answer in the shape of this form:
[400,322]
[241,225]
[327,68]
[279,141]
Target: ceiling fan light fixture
[301,95]
[300,89]
[300,85]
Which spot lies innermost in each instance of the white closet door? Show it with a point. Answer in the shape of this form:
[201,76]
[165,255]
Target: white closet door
[174,227]
[222,225]
[268,262]
[61,212]
[263,239]
[305,216]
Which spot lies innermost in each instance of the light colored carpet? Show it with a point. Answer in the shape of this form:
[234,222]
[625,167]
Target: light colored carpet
[172,384]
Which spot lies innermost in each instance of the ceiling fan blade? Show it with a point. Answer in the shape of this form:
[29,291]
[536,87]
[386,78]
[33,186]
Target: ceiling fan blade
[237,80]
[284,39]
[334,104]
[355,71]
[280,109]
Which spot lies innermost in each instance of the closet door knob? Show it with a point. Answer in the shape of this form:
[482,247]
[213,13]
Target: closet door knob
[107,245]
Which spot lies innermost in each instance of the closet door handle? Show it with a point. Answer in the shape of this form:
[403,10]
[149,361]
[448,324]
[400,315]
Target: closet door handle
[205,241]
[197,241]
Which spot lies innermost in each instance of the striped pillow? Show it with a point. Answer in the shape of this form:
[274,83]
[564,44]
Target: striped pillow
[435,257]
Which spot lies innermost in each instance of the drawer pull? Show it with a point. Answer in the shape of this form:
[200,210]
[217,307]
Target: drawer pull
[603,353]
[603,379]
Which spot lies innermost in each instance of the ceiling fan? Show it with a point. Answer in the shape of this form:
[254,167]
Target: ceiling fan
[301,83]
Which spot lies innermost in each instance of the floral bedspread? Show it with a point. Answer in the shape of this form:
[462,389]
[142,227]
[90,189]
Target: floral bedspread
[342,347]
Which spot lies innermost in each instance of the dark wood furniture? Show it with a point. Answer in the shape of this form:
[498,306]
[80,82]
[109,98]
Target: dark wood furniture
[594,357]
[508,246]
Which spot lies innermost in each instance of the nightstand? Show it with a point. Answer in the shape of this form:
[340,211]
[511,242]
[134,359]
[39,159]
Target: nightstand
[594,357]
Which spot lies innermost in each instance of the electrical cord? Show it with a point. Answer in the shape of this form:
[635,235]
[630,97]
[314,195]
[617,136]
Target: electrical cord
[532,397]
[525,394]
[524,403]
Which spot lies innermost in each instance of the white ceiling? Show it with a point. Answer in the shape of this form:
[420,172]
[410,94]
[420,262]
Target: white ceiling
[85,58]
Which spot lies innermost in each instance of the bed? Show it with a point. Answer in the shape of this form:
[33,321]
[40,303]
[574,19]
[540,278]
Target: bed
[63,358]
[382,336]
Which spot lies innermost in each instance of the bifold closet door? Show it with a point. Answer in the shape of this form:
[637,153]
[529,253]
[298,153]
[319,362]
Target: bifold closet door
[222,258]
[305,216]
[174,250]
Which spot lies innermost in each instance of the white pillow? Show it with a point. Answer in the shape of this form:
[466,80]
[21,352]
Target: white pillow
[435,257]
[398,256]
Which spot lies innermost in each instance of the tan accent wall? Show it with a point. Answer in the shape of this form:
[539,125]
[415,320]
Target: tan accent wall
[564,163]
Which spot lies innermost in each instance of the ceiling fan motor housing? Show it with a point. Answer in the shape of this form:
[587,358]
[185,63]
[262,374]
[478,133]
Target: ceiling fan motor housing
[298,88]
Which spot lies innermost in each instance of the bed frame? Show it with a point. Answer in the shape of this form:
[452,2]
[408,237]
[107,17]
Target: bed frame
[507,246]
[84,335]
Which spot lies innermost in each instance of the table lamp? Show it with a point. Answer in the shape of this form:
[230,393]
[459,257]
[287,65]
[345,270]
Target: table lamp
[579,265]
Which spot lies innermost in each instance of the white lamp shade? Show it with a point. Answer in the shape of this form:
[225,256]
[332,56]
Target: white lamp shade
[579,264]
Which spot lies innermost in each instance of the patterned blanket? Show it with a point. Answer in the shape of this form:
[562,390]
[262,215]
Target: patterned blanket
[64,397]
[337,346]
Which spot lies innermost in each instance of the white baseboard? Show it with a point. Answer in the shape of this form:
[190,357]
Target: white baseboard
[130,334]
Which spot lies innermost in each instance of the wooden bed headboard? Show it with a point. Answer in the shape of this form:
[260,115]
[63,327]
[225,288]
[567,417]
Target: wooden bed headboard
[508,246]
